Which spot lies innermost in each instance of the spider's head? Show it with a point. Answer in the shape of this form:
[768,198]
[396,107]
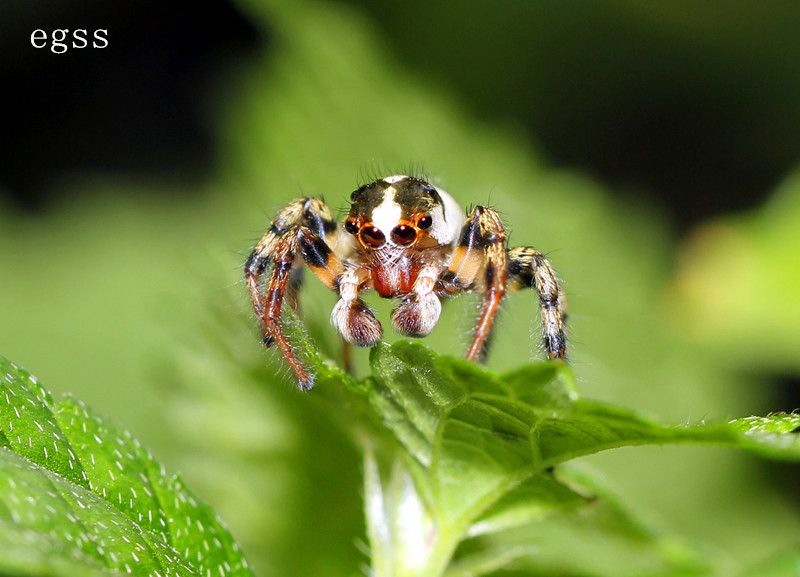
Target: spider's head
[404,212]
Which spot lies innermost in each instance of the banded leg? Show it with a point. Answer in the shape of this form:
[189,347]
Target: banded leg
[479,261]
[527,267]
[302,226]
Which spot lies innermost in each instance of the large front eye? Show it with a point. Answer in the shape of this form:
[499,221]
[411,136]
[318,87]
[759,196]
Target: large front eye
[404,234]
[372,236]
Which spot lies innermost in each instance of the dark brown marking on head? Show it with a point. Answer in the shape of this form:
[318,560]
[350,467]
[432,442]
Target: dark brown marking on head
[416,196]
[366,199]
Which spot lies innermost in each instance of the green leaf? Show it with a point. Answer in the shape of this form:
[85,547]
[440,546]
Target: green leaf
[532,500]
[79,495]
[599,536]
[480,449]
[727,266]
[592,426]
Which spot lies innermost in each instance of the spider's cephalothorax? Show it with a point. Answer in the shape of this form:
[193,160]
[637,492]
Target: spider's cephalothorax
[408,240]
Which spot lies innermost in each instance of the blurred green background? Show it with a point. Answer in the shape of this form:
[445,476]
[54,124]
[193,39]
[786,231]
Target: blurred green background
[647,148]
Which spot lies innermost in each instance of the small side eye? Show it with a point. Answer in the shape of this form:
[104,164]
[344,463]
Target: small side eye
[425,222]
[404,234]
[351,226]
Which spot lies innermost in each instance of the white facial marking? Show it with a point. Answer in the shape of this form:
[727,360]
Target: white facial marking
[386,215]
[447,223]
[394,178]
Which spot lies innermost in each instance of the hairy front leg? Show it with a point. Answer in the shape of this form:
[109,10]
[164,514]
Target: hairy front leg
[268,307]
[354,320]
[301,229]
[419,311]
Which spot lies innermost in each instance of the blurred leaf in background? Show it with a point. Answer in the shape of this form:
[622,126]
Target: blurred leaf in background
[142,284]
[737,288]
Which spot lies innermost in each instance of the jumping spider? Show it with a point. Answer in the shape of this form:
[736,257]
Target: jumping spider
[408,240]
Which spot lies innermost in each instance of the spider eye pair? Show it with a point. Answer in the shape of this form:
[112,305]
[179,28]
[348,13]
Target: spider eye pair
[401,234]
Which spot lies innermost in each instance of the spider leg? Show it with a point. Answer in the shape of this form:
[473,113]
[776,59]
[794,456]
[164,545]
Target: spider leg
[293,289]
[527,267]
[354,320]
[479,262]
[419,311]
[303,227]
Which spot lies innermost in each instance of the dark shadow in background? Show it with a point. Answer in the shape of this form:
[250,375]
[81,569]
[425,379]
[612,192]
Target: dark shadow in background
[133,107]
[692,105]
[693,108]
